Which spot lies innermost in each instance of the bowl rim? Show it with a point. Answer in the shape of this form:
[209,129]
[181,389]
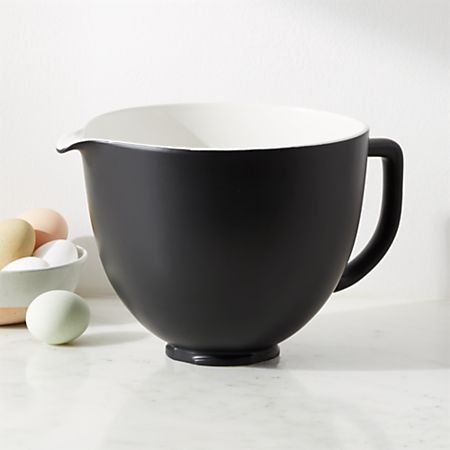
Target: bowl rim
[69,141]
[82,256]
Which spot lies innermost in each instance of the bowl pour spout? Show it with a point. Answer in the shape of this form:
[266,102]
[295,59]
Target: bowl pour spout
[73,141]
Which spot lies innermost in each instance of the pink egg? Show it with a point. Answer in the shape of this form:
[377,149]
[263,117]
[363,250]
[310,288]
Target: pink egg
[48,224]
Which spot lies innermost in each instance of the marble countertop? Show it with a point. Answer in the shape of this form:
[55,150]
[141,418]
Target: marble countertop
[363,374]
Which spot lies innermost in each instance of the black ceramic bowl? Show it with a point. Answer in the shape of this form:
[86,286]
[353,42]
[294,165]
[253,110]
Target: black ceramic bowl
[225,228]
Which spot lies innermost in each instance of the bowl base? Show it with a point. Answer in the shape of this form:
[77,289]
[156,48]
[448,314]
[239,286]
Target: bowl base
[11,316]
[222,358]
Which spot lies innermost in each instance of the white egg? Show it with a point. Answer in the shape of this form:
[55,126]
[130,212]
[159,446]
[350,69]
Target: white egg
[27,263]
[57,253]
[57,317]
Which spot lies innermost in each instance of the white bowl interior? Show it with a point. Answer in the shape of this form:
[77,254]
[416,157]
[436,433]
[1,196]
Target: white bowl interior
[223,126]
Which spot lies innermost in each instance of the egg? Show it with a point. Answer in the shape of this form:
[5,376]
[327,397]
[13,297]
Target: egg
[17,240]
[48,224]
[57,317]
[27,263]
[57,253]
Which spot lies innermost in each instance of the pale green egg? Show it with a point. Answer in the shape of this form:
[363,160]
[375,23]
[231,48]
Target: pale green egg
[57,317]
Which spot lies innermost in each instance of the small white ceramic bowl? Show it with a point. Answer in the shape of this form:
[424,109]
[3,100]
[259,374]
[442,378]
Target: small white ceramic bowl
[19,288]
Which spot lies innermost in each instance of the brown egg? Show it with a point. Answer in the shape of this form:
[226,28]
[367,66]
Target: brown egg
[48,224]
[17,240]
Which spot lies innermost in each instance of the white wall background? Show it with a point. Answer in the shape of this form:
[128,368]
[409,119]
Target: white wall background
[384,62]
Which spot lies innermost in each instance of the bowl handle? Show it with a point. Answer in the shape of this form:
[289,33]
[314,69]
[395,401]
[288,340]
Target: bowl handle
[389,220]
